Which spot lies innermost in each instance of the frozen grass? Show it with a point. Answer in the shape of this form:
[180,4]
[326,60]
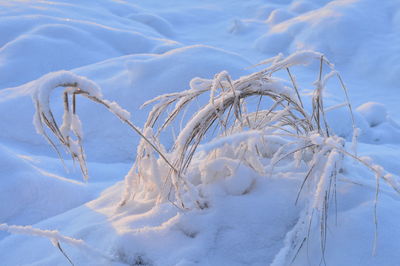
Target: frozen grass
[70,133]
[286,116]
[307,136]
[278,128]
[56,238]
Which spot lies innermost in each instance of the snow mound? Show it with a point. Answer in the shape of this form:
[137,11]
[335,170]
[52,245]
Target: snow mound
[374,113]
[235,179]
[35,193]
[382,128]
[375,124]
[334,28]
[38,39]
[214,237]
[224,232]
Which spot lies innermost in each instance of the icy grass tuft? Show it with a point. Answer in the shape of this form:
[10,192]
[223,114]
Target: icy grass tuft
[70,133]
[252,142]
[278,131]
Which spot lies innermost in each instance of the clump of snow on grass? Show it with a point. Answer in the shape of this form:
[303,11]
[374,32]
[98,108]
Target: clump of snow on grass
[235,177]
[118,110]
[42,88]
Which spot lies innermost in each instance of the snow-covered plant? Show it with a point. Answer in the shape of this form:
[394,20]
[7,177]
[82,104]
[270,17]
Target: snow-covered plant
[279,129]
[227,108]
[261,139]
[70,133]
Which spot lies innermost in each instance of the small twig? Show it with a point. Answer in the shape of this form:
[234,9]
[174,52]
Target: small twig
[62,251]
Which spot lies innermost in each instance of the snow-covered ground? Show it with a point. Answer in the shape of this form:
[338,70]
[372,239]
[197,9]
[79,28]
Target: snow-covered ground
[137,50]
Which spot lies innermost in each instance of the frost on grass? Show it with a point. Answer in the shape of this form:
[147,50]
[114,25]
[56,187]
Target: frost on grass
[70,133]
[56,238]
[259,139]
[253,141]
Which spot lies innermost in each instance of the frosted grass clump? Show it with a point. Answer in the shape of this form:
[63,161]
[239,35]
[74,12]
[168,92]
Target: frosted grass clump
[277,131]
[70,133]
[278,134]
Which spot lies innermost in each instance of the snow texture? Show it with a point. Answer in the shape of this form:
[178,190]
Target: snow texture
[255,208]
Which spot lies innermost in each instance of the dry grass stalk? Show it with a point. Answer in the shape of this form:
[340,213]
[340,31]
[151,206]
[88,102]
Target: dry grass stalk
[284,115]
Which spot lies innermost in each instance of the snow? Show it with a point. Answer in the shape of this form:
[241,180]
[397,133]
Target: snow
[246,201]
[374,113]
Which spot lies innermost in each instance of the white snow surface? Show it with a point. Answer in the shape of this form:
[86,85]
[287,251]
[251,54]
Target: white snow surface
[137,50]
